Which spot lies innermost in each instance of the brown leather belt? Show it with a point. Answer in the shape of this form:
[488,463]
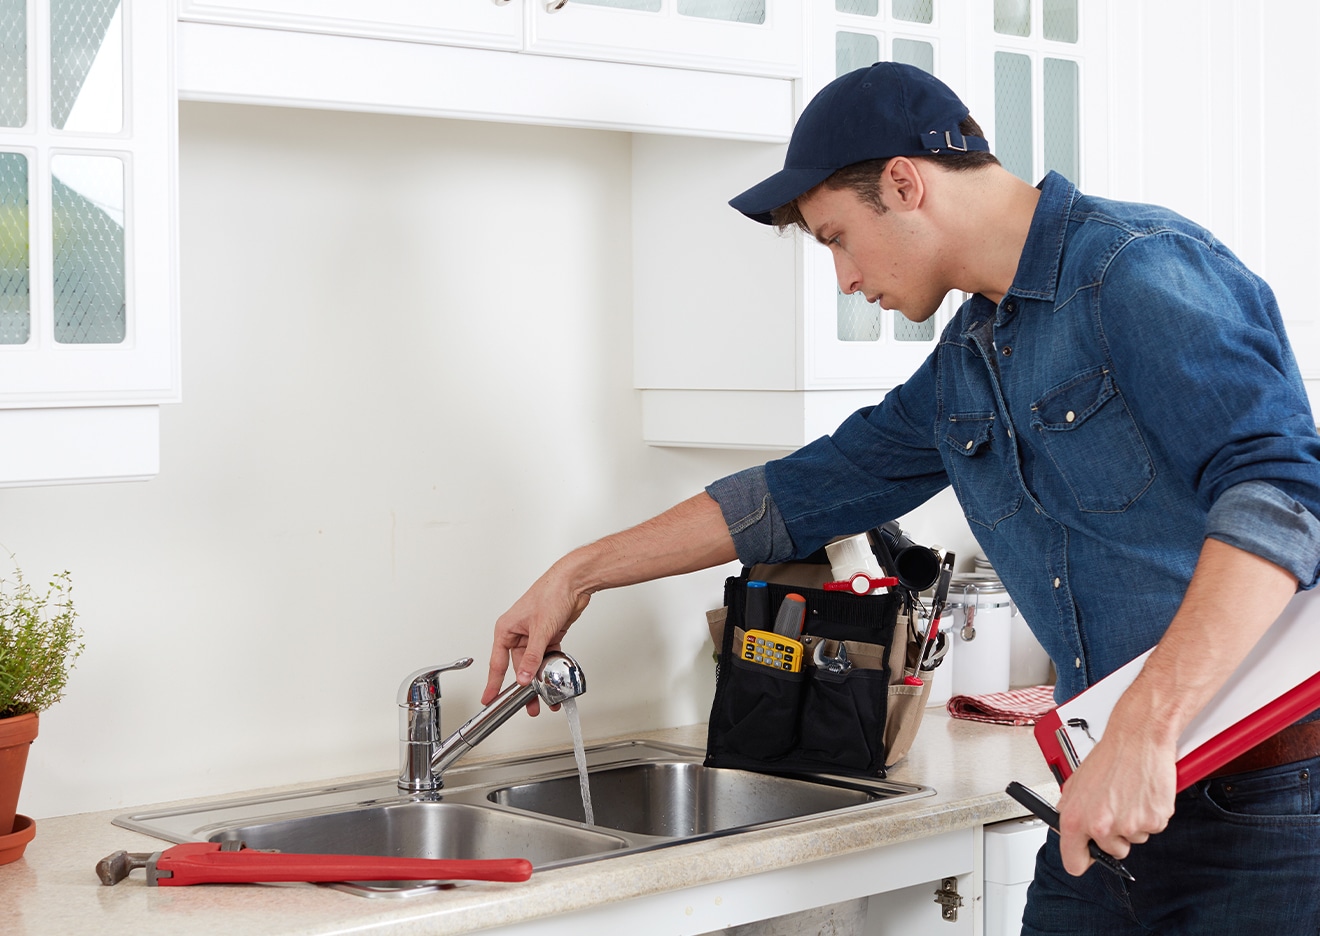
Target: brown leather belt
[1294,743]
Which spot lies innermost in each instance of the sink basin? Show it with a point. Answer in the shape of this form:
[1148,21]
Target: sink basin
[425,830]
[646,795]
[681,800]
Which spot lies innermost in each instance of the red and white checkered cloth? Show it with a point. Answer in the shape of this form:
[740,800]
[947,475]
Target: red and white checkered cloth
[1014,707]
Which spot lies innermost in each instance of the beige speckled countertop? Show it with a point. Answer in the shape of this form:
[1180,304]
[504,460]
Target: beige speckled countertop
[54,888]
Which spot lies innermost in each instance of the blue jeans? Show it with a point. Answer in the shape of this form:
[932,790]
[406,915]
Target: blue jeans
[1241,855]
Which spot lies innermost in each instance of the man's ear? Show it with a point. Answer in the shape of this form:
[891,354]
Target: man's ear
[904,186]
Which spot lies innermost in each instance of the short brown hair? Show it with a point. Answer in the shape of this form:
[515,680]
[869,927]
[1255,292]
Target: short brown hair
[863,178]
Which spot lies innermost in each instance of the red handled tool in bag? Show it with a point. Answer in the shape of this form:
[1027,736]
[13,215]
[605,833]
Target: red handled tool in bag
[232,863]
[936,610]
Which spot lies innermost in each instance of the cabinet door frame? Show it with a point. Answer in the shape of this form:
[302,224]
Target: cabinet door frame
[831,363]
[962,32]
[581,30]
[144,366]
[478,23]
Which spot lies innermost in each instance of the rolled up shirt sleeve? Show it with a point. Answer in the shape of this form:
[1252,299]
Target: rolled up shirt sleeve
[755,523]
[1258,517]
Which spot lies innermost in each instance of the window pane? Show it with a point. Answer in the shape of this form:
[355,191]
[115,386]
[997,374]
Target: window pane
[735,11]
[853,51]
[1013,17]
[15,314]
[914,11]
[1060,20]
[1013,113]
[87,200]
[915,52]
[86,66]
[858,320]
[907,330]
[858,7]
[1062,136]
[13,63]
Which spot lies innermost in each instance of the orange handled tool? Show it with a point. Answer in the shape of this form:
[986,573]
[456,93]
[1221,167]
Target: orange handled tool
[231,863]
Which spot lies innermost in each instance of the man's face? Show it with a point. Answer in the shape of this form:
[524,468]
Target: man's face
[886,256]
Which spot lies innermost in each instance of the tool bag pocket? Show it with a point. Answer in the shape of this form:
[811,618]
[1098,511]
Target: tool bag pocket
[761,714]
[840,713]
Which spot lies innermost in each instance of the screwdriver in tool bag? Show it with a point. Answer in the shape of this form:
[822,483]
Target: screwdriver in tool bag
[792,613]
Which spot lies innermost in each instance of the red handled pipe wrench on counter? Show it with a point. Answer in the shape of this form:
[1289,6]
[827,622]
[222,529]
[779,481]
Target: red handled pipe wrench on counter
[232,863]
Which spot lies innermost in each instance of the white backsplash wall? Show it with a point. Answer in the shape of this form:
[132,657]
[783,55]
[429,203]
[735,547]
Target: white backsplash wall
[407,389]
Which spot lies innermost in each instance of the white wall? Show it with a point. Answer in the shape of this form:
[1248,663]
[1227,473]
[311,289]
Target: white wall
[407,390]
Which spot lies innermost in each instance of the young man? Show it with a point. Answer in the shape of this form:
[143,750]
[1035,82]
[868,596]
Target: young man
[1121,417]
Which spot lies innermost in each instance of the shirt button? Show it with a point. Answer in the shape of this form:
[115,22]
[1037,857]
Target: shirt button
[1009,306]
[1056,582]
[1008,349]
[1069,416]
[968,446]
[1077,663]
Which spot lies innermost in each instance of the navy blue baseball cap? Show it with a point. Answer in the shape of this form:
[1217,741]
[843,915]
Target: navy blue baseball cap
[886,110]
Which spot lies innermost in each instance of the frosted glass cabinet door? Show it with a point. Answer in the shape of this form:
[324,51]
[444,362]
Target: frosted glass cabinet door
[848,342]
[88,268]
[479,23]
[749,37]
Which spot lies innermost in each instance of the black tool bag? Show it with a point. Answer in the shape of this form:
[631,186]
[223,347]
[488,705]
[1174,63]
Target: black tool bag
[858,722]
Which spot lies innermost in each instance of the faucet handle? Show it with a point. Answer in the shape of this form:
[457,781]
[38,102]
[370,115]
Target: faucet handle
[423,686]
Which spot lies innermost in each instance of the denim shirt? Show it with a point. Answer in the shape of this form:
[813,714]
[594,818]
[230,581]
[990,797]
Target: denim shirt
[1133,394]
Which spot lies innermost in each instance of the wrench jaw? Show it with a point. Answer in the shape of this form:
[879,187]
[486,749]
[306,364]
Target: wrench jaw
[115,867]
[838,665]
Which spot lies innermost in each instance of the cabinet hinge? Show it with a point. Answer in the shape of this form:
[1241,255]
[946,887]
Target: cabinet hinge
[948,899]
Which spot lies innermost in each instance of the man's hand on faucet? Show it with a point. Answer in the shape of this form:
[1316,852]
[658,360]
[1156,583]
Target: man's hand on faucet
[689,536]
[536,623]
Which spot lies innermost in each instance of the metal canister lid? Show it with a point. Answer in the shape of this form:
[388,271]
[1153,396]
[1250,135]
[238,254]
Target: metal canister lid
[982,589]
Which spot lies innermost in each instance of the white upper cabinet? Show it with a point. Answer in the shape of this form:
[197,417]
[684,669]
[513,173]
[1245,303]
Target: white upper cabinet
[88,270]
[850,343]
[1242,78]
[789,366]
[489,24]
[749,37]
[694,67]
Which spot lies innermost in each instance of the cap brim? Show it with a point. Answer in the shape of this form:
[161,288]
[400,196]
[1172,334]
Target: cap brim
[781,188]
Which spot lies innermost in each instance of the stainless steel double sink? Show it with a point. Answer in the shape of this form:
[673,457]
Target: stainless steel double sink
[645,795]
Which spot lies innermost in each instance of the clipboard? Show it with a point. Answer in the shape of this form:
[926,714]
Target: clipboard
[1276,684]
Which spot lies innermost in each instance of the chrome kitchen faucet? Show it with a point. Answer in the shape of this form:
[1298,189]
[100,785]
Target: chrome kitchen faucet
[423,757]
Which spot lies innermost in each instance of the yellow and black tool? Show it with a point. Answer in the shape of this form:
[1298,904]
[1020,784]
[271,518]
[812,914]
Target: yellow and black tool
[773,650]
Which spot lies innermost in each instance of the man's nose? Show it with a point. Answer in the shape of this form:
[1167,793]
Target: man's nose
[849,277]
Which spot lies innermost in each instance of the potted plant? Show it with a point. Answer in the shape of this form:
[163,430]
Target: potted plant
[39,642]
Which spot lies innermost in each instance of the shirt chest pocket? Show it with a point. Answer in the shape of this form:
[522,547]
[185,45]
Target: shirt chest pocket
[1086,430]
[981,468]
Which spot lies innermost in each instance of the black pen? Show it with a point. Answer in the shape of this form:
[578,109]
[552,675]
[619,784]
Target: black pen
[1043,810]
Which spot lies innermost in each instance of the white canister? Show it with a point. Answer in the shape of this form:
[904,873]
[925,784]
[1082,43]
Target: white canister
[981,623]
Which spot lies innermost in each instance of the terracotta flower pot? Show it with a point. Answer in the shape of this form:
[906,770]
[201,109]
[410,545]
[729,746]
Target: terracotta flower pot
[16,736]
